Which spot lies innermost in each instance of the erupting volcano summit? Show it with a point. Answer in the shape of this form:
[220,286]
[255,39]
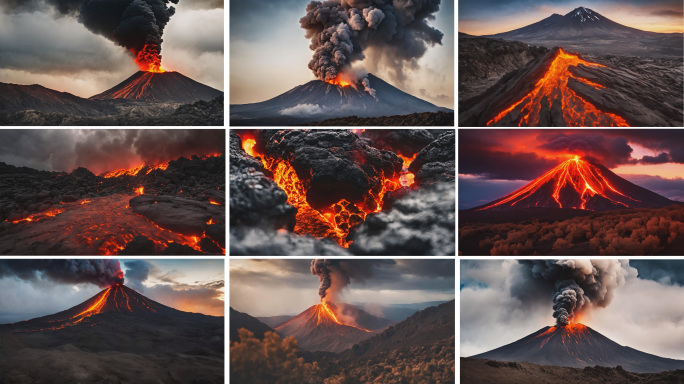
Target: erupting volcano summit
[579,184]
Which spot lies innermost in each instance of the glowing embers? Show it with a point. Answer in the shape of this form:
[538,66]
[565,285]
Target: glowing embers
[340,80]
[407,177]
[552,89]
[52,212]
[574,183]
[140,191]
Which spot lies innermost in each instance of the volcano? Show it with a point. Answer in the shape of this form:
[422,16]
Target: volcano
[318,100]
[576,345]
[588,31]
[579,184]
[160,87]
[115,299]
[322,327]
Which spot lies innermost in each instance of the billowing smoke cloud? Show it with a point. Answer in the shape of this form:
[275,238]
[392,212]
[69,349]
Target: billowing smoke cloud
[137,25]
[102,150]
[609,151]
[103,273]
[336,274]
[341,30]
[576,285]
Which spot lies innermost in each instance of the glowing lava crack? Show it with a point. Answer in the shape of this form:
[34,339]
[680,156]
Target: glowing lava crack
[552,88]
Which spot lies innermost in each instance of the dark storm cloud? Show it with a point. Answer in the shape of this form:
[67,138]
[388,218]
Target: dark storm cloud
[480,151]
[404,274]
[609,151]
[669,272]
[137,271]
[102,150]
[103,273]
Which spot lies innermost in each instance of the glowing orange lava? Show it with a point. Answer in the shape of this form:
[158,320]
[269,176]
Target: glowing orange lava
[52,212]
[140,191]
[574,174]
[336,221]
[149,59]
[340,80]
[576,111]
[214,202]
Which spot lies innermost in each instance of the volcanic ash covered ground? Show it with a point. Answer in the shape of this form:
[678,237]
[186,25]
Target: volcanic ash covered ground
[342,192]
[174,208]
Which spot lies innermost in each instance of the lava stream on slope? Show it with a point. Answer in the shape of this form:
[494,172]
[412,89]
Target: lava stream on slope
[552,89]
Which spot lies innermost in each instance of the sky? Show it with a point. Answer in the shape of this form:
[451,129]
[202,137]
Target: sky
[482,17]
[645,312]
[102,150]
[270,53]
[188,285]
[38,45]
[493,163]
[275,287]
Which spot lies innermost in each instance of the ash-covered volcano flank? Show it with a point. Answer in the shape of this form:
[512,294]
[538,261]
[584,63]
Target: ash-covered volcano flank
[579,184]
[160,87]
[120,326]
[319,100]
[576,345]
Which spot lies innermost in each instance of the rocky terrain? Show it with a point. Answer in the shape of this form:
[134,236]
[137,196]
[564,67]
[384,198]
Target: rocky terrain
[123,113]
[483,61]
[643,91]
[490,371]
[262,221]
[177,210]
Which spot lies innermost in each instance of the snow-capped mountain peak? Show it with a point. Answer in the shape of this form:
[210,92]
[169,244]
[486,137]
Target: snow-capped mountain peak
[583,15]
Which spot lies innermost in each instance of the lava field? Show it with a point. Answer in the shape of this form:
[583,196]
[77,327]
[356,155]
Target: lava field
[342,192]
[174,208]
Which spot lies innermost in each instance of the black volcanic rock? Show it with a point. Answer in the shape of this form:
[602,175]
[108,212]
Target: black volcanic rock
[177,214]
[576,345]
[318,100]
[140,245]
[587,31]
[160,87]
[405,142]
[335,165]
[437,161]
[643,91]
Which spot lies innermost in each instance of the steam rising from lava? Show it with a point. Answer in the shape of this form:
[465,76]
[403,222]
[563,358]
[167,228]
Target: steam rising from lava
[137,25]
[577,285]
[103,273]
[341,30]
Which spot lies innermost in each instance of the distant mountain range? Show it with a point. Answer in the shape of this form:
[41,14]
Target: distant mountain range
[587,31]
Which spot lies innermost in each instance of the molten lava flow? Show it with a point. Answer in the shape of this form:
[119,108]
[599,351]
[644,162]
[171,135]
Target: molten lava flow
[336,221]
[339,80]
[578,176]
[214,202]
[140,191]
[577,112]
[52,212]
[123,172]
[149,59]
[407,177]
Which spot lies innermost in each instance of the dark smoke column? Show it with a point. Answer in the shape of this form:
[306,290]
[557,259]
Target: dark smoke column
[103,273]
[340,31]
[320,267]
[137,25]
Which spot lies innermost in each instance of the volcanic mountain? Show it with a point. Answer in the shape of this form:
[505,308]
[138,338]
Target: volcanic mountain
[117,336]
[318,100]
[587,31]
[323,327]
[576,345]
[116,299]
[160,87]
[579,184]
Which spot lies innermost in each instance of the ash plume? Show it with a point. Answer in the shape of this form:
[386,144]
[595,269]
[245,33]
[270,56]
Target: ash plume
[103,273]
[137,25]
[344,31]
[335,274]
[576,285]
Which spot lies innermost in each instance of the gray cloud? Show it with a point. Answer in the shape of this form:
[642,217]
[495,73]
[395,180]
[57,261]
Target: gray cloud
[673,189]
[670,272]
[103,150]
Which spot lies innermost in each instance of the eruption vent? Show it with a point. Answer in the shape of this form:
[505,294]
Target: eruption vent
[552,90]
[340,32]
[579,184]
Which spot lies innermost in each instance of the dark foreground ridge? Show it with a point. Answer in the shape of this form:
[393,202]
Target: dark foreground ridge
[425,119]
